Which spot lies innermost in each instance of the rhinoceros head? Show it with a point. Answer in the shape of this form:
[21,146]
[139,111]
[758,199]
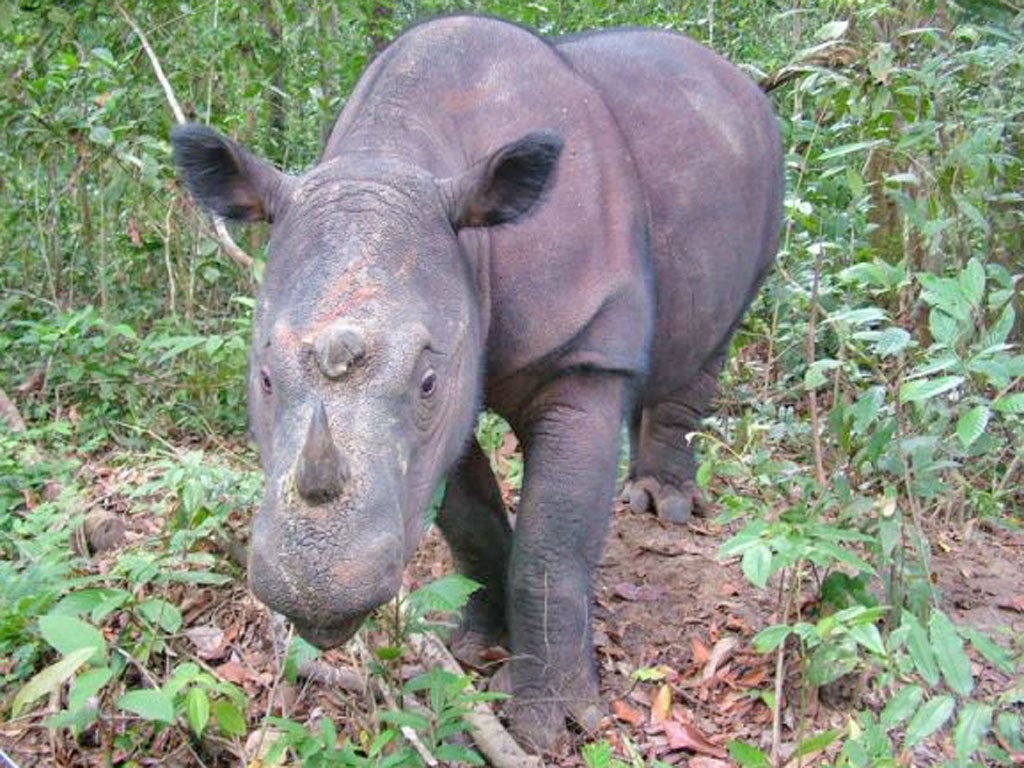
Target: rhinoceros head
[365,367]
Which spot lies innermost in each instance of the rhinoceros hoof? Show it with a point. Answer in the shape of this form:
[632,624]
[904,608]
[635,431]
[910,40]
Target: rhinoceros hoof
[673,505]
[537,721]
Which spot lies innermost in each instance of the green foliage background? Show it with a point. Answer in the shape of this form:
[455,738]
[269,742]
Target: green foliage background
[879,372]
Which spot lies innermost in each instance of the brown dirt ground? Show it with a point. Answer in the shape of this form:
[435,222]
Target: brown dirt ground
[663,603]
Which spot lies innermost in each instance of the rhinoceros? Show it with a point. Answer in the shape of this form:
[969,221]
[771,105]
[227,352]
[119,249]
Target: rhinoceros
[566,231]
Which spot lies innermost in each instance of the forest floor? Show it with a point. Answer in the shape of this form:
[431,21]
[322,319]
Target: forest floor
[673,632]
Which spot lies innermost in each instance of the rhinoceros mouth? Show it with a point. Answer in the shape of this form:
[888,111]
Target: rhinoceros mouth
[326,636]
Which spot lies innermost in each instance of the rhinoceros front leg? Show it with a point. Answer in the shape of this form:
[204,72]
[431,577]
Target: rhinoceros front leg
[473,520]
[571,444]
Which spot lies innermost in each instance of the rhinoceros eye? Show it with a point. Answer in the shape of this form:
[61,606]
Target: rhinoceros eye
[265,384]
[428,384]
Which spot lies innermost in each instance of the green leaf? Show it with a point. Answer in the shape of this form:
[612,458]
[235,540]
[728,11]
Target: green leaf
[996,655]
[975,721]
[87,685]
[921,651]
[408,719]
[972,282]
[868,636]
[1010,403]
[924,389]
[50,679]
[944,329]
[971,424]
[453,754]
[950,655]
[150,704]
[161,613]
[814,376]
[100,134]
[69,633]
[770,638]
[815,743]
[447,594]
[197,710]
[832,30]
[891,341]
[901,706]
[747,756]
[928,719]
[229,718]
[756,564]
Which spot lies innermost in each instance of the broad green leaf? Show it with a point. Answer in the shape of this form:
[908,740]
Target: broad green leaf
[928,719]
[998,656]
[849,149]
[150,704]
[756,564]
[770,638]
[972,727]
[891,341]
[161,613]
[69,633]
[901,706]
[868,636]
[815,743]
[87,685]
[972,282]
[971,424]
[832,30]
[229,718]
[747,756]
[100,134]
[1010,403]
[1000,331]
[924,389]
[950,655]
[401,717]
[921,651]
[197,710]
[454,754]
[814,376]
[449,593]
[50,679]
[943,328]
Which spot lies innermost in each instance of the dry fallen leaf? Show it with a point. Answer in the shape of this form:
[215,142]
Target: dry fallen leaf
[209,641]
[701,654]
[722,650]
[687,736]
[627,713]
[707,762]
[662,705]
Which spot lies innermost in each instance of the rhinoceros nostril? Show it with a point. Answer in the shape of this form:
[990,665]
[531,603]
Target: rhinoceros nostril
[322,470]
[338,347]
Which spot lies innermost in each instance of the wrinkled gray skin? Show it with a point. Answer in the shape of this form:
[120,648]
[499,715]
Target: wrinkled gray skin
[568,232]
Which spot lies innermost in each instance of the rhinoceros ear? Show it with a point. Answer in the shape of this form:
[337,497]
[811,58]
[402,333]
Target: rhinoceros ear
[507,185]
[225,178]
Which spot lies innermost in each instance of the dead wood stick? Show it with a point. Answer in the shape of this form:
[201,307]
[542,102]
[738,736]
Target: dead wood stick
[231,248]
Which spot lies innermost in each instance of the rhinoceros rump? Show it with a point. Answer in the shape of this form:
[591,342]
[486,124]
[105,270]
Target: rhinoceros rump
[567,231]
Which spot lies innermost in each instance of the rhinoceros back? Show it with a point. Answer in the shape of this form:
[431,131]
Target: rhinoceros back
[705,144]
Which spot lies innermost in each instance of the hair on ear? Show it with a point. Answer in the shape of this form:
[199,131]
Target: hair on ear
[514,180]
[223,176]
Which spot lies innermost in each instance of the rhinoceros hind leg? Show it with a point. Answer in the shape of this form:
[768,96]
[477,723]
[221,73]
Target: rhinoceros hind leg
[663,468]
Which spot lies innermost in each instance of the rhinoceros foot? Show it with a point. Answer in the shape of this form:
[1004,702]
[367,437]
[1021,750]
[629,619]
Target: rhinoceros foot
[537,715]
[672,504]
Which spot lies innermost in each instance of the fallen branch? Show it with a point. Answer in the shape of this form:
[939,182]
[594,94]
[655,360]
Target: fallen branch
[231,248]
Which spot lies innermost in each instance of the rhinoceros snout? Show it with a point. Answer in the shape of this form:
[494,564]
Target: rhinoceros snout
[326,599]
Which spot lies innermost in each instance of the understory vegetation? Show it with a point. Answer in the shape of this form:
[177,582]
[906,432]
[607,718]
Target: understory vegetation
[872,409]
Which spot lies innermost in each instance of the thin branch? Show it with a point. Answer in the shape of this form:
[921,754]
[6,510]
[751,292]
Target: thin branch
[231,248]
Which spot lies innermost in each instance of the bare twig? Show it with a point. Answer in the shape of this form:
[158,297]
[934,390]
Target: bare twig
[231,248]
[812,394]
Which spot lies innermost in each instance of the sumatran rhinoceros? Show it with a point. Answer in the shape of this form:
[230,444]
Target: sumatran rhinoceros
[565,231]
